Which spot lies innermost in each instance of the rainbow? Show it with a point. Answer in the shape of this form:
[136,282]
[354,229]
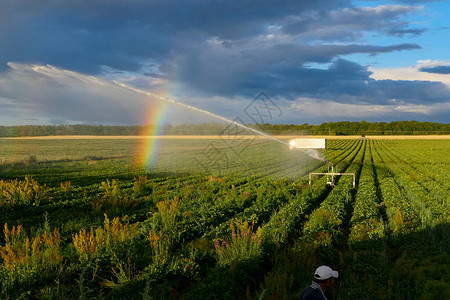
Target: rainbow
[148,149]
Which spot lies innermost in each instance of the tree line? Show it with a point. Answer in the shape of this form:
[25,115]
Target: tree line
[328,128]
[362,127]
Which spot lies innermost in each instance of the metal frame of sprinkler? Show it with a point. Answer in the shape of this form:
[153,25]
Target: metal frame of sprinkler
[331,175]
[315,144]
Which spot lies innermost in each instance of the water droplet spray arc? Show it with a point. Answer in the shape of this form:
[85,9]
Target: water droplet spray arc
[311,153]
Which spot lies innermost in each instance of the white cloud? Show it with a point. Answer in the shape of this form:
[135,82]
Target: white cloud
[36,94]
[412,73]
[328,109]
[41,93]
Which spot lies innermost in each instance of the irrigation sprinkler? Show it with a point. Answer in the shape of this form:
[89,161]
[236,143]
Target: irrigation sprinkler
[315,144]
[331,175]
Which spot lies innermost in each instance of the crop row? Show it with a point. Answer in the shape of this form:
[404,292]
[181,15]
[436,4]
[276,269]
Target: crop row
[400,213]
[285,223]
[324,225]
[366,222]
[425,177]
[431,210]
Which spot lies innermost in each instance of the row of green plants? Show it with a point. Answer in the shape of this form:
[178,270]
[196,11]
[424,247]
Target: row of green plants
[401,215]
[434,182]
[200,236]
[325,225]
[366,262]
[110,245]
[299,208]
[431,210]
[419,248]
[366,222]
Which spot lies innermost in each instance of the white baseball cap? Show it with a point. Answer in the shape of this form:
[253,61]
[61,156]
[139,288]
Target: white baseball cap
[325,272]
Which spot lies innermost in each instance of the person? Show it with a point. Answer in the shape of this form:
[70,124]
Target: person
[322,280]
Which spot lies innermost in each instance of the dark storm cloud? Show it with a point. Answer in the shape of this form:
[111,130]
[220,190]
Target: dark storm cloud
[213,17]
[82,45]
[437,70]
[349,23]
[411,92]
[228,72]
[228,48]
[403,32]
[84,35]
[347,82]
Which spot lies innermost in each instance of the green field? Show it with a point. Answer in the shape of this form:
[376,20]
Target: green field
[222,219]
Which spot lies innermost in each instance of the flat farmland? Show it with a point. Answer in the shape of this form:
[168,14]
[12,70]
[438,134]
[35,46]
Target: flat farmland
[222,218]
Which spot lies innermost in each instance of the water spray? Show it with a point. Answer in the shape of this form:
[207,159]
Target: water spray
[307,146]
[311,153]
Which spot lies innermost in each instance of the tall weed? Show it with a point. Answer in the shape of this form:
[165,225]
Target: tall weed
[142,186]
[108,237]
[113,197]
[26,259]
[243,244]
[22,253]
[22,192]
[164,224]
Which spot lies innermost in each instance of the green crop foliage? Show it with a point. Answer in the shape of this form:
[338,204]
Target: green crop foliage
[250,228]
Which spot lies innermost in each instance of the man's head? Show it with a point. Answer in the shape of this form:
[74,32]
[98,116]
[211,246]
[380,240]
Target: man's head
[324,274]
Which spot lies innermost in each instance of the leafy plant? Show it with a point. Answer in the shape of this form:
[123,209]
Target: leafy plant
[23,192]
[28,259]
[243,244]
[107,238]
[113,197]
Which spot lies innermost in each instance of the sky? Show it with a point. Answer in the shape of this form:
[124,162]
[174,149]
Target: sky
[275,61]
